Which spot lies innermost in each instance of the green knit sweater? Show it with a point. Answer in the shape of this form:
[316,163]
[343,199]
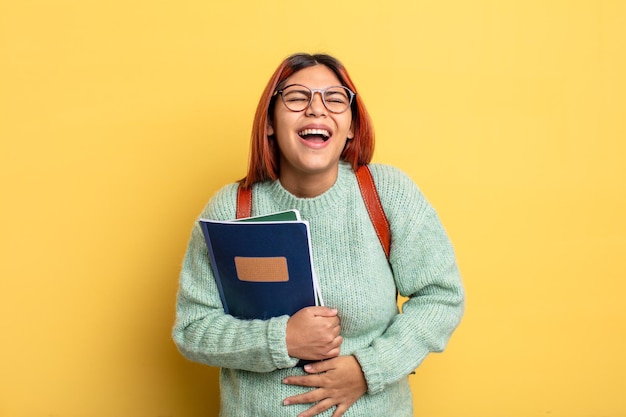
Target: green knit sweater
[354,277]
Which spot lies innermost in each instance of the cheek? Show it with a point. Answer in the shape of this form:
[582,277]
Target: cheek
[346,128]
[282,140]
[279,133]
[280,123]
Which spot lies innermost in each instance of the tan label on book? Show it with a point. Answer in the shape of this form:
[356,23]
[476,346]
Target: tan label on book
[262,269]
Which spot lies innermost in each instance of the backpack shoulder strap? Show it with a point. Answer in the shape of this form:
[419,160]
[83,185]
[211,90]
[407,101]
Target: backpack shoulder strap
[244,202]
[374,207]
[370,197]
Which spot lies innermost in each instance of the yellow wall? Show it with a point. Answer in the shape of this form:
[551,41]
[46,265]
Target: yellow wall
[118,120]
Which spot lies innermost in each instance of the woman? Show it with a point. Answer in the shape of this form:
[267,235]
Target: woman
[311,132]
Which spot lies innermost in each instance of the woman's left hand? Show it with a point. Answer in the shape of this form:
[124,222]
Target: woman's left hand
[338,382]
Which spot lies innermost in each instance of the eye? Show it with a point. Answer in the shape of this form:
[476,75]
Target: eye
[294,96]
[338,100]
[336,96]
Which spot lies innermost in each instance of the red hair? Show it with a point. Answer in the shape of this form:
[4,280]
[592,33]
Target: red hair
[264,157]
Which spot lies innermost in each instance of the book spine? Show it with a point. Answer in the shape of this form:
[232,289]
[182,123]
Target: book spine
[218,280]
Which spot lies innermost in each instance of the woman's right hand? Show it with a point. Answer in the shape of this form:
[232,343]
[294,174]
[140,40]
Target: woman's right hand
[313,334]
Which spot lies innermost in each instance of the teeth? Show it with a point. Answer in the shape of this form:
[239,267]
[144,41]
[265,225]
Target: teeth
[321,132]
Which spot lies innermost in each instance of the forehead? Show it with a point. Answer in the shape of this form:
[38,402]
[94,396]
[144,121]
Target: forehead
[318,76]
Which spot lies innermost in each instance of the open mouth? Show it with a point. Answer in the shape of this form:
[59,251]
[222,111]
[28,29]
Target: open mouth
[315,135]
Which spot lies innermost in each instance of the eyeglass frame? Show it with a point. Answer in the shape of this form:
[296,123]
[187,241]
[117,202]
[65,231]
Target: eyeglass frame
[351,96]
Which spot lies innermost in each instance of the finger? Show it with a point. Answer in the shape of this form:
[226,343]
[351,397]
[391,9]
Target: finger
[320,367]
[338,341]
[324,311]
[303,381]
[318,408]
[333,353]
[335,344]
[306,398]
[339,411]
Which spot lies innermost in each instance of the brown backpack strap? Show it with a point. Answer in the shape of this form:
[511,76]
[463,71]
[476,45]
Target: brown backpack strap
[370,197]
[374,207]
[244,202]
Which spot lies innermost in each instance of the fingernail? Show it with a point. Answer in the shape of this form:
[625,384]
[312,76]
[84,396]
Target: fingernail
[307,367]
[286,402]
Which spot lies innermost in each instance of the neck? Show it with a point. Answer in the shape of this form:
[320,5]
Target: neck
[309,185]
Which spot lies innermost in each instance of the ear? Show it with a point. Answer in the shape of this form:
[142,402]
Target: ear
[351,132]
[269,130]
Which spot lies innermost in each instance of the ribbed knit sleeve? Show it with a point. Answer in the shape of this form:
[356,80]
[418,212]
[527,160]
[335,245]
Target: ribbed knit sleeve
[203,332]
[425,271]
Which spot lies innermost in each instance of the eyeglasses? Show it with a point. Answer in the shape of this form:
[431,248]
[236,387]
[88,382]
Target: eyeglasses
[297,97]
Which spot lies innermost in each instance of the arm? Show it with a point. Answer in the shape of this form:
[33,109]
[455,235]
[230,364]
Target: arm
[426,272]
[203,333]
[428,275]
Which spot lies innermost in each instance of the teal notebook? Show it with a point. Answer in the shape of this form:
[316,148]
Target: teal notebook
[282,216]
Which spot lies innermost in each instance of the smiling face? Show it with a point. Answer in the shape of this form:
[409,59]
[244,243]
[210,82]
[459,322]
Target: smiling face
[310,142]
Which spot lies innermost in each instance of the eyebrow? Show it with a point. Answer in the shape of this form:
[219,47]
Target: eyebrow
[341,92]
[302,89]
[307,87]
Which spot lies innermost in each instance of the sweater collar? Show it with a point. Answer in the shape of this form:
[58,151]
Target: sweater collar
[310,207]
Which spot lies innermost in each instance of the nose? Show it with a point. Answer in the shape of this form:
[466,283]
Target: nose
[317,107]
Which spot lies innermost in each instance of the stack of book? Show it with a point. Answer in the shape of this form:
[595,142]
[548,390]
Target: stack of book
[263,265]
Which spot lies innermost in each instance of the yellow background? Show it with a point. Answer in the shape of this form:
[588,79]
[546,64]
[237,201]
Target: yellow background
[120,118]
